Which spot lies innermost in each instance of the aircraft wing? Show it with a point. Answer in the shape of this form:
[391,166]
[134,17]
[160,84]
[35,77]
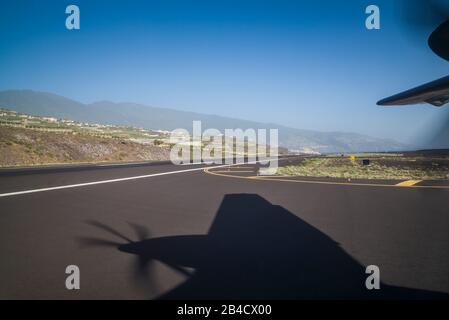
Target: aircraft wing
[435,93]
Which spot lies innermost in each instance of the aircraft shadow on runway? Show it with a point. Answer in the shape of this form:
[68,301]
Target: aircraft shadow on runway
[254,250]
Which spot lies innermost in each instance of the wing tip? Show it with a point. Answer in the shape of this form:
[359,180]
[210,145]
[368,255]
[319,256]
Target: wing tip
[387,102]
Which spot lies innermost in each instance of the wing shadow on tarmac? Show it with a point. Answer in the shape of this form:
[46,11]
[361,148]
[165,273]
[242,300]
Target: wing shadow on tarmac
[256,250]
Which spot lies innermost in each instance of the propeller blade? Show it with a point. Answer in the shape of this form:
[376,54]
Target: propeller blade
[419,18]
[423,13]
[438,136]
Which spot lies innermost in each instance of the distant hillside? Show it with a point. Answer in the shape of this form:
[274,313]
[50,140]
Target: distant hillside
[105,112]
[25,147]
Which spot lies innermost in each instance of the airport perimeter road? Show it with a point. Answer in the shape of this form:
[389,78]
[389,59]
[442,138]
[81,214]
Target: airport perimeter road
[165,231]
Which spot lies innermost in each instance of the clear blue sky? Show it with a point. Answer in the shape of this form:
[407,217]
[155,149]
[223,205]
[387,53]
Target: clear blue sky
[305,64]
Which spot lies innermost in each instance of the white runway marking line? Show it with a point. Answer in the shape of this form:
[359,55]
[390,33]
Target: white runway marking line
[109,181]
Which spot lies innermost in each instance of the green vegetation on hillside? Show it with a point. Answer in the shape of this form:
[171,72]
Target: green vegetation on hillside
[34,140]
[380,167]
[9,118]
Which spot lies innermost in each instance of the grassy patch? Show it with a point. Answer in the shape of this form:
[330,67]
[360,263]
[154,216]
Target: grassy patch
[384,168]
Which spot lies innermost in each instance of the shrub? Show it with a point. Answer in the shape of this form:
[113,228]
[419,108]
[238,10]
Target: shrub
[158,142]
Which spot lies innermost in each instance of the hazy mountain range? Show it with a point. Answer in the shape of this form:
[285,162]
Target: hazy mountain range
[131,114]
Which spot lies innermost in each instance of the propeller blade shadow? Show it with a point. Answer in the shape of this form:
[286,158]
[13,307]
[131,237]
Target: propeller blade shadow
[108,229]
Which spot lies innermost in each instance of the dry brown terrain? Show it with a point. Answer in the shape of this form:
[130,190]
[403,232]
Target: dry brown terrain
[422,166]
[19,146]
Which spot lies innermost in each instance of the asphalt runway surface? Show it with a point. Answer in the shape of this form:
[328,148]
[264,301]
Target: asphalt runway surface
[217,233]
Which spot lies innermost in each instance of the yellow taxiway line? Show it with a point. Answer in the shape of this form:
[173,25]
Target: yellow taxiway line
[408,183]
